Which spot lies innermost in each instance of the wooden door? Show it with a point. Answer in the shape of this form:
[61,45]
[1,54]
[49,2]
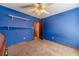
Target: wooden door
[38,29]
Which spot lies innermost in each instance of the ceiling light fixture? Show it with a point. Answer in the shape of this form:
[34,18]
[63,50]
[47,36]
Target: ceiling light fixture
[40,8]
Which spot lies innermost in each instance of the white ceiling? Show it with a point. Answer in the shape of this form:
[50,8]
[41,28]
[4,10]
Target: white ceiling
[53,9]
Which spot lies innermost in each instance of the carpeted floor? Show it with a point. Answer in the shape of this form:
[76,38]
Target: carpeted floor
[41,48]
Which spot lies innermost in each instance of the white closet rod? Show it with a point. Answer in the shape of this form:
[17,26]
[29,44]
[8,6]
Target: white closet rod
[18,17]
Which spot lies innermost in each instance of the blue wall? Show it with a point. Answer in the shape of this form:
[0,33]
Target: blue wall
[63,28]
[19,30]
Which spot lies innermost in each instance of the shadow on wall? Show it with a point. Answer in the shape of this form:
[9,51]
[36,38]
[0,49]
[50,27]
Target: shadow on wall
[63,28]
[16,30]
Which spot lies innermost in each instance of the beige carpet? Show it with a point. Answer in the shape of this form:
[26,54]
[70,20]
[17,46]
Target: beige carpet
[41,48]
